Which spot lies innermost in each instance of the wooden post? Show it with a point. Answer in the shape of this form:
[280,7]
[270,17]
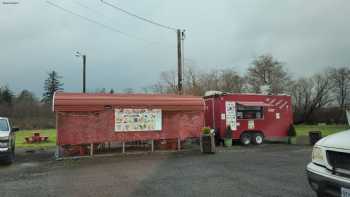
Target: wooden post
[178,144]
[179,62]
[91,149]
[152,145]
[57,153]
[123,147]
[84,73]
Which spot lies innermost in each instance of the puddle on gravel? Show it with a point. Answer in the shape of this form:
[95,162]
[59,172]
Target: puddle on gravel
[28,164]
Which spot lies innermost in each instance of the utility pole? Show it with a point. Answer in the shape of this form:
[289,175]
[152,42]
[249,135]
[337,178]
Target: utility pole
[84,73]
[78,54]
[179,62]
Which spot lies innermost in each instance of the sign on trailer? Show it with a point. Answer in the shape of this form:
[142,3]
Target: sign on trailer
[138,120]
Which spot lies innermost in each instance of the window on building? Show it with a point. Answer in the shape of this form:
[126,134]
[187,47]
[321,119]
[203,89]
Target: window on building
[249,112]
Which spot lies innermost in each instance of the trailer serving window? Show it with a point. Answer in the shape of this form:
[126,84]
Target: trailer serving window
[249,112]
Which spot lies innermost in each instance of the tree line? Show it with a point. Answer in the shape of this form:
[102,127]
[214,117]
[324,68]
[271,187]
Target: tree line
[319,98]
[28,111]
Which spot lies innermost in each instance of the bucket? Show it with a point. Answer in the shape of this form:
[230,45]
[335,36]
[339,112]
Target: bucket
[314,136]
[228,142]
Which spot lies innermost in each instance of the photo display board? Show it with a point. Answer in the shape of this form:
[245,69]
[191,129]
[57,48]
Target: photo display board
[231,118]
[138,120]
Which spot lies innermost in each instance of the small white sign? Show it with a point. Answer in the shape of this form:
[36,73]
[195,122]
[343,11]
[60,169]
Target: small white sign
[251,124]
[223,116]
[278,116]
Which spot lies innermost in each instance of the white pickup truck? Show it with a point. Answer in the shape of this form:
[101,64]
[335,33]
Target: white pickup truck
[329,171]
[7,141]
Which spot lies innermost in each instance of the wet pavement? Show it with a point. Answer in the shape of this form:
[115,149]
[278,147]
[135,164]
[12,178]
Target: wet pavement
[267,170]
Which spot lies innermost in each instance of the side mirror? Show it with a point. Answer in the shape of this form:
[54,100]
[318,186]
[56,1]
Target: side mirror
[15,129]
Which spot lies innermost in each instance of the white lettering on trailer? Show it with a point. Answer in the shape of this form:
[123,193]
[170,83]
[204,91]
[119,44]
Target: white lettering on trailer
[283,105]
[278,102]
[231,118]
[272,101]
[271,110]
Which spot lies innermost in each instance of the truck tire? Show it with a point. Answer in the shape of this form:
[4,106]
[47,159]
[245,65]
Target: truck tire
[10,158]
[246,138]
[258,138]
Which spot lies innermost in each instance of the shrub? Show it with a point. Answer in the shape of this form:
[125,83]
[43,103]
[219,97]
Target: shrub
[291,131]
[206,130]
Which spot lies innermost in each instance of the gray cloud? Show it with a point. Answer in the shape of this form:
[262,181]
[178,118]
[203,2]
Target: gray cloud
[36,37]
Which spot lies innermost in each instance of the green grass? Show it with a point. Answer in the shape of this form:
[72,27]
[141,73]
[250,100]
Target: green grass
[303,130]
[21,142]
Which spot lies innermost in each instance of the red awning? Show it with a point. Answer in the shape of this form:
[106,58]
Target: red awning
[254,103]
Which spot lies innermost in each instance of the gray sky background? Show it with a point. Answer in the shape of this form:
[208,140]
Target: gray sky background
[36,38]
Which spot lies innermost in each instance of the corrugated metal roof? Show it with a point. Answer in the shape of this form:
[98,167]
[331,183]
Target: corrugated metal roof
[75,102]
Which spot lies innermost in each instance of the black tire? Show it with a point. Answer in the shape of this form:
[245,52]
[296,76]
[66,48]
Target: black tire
[320,194]
[10,159]
[258,138]
[246,138]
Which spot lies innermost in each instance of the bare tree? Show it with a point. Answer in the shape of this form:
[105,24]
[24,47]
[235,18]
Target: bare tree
[310,95]
[192,85]
[231,81]
[265,70]
[340,81]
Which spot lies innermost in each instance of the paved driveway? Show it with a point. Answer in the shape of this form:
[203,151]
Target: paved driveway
[267,170]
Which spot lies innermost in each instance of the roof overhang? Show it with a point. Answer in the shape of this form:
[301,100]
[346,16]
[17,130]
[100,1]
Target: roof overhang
[80,102]
[254,103]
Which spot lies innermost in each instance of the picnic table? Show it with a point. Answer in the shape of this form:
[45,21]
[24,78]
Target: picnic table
[36,137]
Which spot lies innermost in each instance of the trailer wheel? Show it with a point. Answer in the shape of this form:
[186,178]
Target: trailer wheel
[258,138]
[245,138]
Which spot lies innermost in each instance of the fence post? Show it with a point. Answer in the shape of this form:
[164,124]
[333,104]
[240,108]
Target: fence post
[91,150]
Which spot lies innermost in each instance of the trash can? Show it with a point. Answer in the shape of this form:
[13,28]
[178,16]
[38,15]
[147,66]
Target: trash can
[314,136]
[208,143]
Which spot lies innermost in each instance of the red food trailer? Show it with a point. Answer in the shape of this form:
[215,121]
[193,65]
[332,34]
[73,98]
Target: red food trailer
[251,117]
[92,120]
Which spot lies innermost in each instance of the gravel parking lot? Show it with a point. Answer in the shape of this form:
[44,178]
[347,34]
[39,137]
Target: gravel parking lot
[268,170]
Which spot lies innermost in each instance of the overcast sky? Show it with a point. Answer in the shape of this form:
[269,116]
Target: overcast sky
[36,37]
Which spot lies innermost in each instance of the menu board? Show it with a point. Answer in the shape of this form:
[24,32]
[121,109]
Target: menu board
[231,118]
[138,120]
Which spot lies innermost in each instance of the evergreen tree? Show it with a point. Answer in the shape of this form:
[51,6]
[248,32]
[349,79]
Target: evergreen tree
[6,95]
[52,84]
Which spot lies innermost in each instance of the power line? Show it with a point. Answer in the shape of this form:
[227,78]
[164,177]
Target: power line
[139,17]
[94,21]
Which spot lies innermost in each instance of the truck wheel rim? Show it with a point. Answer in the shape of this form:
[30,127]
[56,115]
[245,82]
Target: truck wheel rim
[246,141]
[258,139]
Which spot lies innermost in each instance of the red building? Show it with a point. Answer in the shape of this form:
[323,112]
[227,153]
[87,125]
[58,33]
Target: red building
[100,118]
[252,117]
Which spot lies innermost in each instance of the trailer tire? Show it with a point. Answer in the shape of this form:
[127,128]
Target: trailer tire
[258,138]
[246,138]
